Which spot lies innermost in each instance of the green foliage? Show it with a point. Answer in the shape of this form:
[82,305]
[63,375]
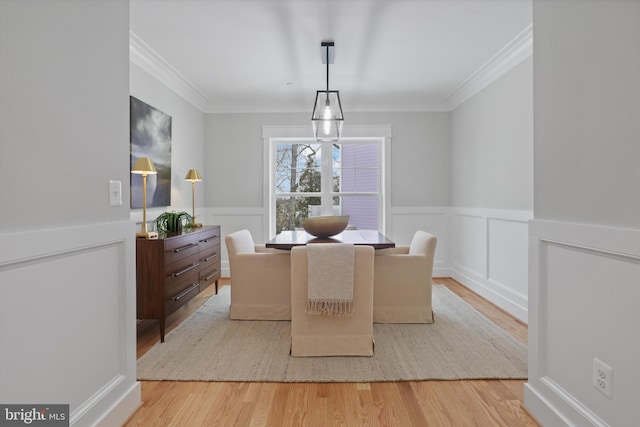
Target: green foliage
[290,211]
[168,222]
[298,171]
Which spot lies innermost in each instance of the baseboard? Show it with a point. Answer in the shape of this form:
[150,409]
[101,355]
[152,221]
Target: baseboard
[487,291]
[124,408]
[545,413]
[441,272]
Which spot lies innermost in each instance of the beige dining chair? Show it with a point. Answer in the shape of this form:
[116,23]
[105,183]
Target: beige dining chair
[260,279]
[322,335]
[402,281]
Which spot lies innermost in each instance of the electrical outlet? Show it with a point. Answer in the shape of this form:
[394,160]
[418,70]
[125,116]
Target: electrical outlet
[602,377]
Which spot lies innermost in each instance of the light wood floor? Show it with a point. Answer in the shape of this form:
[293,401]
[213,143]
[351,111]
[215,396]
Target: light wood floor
[414,403]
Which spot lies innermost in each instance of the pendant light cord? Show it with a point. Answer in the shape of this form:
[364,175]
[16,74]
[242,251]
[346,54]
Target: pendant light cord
[327,50]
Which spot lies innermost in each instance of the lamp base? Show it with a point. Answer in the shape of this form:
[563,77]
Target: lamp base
[147,235]
[196,225]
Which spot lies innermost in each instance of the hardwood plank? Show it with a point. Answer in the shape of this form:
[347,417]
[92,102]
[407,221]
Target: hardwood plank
[295,413]
[418,403]
[360,406]
[276,414]
[392,410]
[319,402]
[413,407]
[449,407]
[263,394]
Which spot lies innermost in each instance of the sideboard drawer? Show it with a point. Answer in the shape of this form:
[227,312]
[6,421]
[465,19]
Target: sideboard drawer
[179,295]
[179,273]
[210,258]
[180,247]
[209,276]
[209,238]
[186,263]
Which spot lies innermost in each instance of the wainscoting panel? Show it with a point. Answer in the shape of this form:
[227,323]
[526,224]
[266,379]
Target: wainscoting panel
[469,236]
[489,255]
[67,317]
[404,222]
[507,258]
[584,293]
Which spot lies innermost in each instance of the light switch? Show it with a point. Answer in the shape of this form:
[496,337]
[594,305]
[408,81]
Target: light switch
[115,193]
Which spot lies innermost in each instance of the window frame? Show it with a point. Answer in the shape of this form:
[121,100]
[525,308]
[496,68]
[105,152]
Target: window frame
[271,135]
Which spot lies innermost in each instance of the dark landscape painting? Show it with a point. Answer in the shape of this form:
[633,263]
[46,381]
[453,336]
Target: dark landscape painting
[150,137]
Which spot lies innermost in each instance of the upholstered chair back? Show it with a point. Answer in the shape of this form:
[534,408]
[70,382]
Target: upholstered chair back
[240,242]
[422,243]
[321,335]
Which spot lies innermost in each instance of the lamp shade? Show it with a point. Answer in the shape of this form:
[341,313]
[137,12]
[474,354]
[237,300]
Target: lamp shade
[143,166]
[327,118]
[193,175]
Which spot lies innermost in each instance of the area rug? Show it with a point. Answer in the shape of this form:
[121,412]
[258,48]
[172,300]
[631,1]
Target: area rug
[461,344]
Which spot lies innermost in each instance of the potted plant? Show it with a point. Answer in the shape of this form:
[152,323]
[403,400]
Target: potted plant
[170,222]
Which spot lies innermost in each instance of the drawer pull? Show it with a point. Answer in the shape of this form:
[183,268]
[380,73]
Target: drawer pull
[181,272]
[211,275]
[182,248]
[211,257]
[186,292]
[209,239]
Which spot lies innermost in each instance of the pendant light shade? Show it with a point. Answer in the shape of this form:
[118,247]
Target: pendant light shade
[327,118]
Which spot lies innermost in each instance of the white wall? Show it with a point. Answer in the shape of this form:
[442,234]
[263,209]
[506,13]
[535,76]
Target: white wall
[419,175]
[492,189]
[492,144]
[67,278]
[187,143]
[585,239]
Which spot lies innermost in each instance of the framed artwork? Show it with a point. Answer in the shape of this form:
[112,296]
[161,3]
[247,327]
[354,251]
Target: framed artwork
[150,137]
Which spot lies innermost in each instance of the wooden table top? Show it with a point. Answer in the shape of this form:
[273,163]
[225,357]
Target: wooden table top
[291,238]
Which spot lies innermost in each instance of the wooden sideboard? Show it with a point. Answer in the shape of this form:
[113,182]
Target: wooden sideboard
[173,268]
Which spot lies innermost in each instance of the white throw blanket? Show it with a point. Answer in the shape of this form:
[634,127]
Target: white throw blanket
[330,281]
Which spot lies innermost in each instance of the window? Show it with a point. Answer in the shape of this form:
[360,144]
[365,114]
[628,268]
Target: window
[312,178]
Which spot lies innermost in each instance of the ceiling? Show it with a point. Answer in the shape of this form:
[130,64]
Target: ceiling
[390,55]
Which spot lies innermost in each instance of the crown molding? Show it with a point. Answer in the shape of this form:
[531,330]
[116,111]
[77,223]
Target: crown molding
[141,54]
[516,51]
[257,107]
[387,106]
[400,106]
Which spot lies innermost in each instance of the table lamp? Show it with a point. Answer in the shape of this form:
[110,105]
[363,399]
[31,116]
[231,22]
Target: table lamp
[144,166]
[193,175]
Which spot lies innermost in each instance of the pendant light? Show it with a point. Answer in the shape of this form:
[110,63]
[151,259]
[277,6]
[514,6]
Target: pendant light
[327,118]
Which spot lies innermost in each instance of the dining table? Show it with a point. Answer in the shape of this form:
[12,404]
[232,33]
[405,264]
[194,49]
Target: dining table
[287,239]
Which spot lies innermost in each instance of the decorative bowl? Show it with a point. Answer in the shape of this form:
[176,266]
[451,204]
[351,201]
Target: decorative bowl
[325,226]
